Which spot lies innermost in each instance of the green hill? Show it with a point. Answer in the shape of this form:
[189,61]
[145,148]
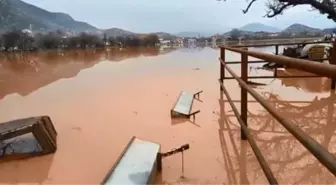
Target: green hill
[20,15]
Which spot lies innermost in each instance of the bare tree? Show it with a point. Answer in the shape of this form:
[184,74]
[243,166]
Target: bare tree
[235,34]
[276,7]
[11,39]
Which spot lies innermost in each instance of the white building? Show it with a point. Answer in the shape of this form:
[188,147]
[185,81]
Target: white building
[28,32]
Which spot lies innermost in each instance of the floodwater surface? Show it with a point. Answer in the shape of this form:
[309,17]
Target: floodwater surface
[99,99]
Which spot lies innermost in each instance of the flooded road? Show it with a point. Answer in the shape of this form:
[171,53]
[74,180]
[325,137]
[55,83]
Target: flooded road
[98,100]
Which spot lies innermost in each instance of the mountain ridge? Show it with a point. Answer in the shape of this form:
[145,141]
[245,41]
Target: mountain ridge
[299,28]
[114,32]
[258,27]
[291,29]
[16,14]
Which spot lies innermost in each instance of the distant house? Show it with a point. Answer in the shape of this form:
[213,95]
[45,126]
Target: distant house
[185,40]
[213,39]
[178,41]
[263,34]
[228,37]
[274,34]
[69,34]
[164,42]
[191,41]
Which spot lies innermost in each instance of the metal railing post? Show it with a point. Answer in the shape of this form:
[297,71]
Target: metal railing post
[276,53]
[333,62]
[243,107]
[222,67]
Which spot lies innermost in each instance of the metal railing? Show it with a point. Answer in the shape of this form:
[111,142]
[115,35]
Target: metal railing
[280,44]
[319,69]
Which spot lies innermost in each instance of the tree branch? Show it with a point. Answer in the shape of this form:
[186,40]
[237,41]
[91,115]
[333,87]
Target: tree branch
[249,6]
[276,10]
[325,7]
[276,7]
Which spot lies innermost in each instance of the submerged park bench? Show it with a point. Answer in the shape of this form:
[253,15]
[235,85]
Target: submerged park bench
[183,105]
[27,137]
[139,163]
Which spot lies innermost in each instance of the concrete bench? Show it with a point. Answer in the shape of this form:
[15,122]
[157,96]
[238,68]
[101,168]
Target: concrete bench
[184,104]
[136,165]
[27,137]
[139,163]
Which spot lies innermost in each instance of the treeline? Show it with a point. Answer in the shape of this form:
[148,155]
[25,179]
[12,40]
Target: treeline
[26,41]
[133,41]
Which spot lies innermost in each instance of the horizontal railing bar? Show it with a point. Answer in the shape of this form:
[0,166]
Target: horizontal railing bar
[265,77]
[268,172]
[250,62]
[323,101]
[272,132]
[322,59]
[326,70]
[272,101]
[257,77]
[262,61]
[278,44]
[301,118]
[327,159]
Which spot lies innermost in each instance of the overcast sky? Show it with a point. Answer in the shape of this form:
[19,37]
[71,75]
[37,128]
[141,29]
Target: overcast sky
[177,15]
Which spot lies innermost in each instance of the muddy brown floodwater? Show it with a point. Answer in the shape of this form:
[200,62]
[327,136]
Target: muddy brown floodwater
[98,100]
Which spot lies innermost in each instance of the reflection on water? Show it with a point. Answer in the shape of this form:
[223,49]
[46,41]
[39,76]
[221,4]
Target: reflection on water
[25,144]
[27,72]
[97,110]
[289,160]
[307,84]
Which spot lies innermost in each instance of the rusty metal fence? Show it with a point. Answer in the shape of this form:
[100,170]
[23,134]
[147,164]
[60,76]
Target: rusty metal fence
[319,69]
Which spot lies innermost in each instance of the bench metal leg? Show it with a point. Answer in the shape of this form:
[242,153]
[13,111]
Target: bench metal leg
[182,165]
[159,162]
[198,94]
[160,156]
[194,113]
